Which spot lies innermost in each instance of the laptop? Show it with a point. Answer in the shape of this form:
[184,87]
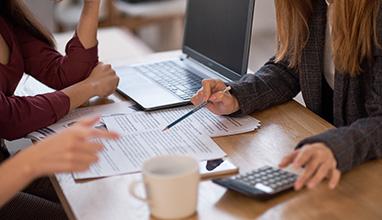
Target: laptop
[216,45]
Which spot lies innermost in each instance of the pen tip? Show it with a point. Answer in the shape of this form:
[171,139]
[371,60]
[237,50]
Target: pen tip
[165,129]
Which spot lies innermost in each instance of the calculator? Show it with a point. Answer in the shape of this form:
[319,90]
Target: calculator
[263,183]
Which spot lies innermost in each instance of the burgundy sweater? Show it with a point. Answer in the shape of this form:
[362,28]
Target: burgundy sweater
[21,115]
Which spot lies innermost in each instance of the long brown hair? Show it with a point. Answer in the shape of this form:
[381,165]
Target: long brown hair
[354,31]
[19,15]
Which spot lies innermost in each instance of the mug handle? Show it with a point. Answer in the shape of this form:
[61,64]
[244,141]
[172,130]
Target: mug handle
[132,190]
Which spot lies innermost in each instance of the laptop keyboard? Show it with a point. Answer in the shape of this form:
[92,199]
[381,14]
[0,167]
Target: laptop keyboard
[168,74]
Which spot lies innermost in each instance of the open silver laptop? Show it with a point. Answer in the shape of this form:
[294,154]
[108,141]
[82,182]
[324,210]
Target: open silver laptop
[215,45]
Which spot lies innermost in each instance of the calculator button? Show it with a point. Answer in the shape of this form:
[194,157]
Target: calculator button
[264,188]
[273,186]
[261,183]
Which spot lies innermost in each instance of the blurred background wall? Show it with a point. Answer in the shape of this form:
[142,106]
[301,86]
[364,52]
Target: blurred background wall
[44,11]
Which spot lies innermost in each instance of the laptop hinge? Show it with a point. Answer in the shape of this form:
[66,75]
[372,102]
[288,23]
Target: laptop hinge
[183,56]
[202,68]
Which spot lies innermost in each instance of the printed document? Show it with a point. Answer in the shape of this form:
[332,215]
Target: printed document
[127,154]
[118,108]
[142,138]
[205,121]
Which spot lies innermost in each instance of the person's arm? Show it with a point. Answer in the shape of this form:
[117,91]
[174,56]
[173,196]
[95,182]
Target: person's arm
[14,176]
[102,82]
[352,145]
[88,24]
[22,115]
[273,84]
[48,66]
[69,151]
[326,155]
[361,140]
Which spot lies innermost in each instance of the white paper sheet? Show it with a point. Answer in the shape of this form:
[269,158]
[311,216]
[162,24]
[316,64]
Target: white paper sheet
[143,138]
[15,146]
[118,108]
[29,86]
[128,154]
[203,120]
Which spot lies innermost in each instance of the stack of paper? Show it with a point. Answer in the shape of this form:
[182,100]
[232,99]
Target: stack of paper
[127,154]
[203,120]
[143,138]
[100,110]
[141,133]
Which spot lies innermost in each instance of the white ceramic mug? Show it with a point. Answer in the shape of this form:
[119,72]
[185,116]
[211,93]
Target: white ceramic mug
[171,184]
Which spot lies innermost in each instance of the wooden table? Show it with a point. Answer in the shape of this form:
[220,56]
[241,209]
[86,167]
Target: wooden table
[359,195]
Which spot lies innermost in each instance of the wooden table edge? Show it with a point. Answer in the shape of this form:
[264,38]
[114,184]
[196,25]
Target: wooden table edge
[64,202]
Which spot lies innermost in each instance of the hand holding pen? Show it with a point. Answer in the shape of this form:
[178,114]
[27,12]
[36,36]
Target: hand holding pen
[197,108]
[220,103]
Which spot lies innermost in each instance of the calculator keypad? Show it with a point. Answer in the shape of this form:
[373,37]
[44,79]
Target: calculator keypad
[262,182]
[274,178]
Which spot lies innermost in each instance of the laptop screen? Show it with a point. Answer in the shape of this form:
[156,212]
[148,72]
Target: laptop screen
[218,33]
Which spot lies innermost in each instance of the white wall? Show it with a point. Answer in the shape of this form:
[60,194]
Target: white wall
[263,42]
[43,10]
[265,17]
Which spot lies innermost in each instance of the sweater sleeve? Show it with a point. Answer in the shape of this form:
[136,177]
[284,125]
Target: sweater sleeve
[361,140]
[273,84]
[53,69]
[22,115]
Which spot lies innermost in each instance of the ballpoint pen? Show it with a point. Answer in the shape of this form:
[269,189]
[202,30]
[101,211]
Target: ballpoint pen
[197,108]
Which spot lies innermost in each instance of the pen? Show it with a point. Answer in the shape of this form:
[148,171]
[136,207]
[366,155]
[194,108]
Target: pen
[197,108]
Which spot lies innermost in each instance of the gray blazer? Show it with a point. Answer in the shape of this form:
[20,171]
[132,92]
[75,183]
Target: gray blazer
[357,101]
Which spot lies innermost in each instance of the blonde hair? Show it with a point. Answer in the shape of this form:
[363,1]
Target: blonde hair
[354,31]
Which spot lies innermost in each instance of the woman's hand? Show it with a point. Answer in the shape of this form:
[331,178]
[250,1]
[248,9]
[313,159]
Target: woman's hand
[220,103]
[71,150]
[103,80]
[318,162]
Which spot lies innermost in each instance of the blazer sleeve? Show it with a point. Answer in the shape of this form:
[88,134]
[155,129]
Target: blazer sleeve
[50,67]
[22,115]
[361,140]
[273,84]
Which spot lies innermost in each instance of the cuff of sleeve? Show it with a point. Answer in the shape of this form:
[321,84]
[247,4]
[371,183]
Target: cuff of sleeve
[336,144]
[59,102]
[238,90]
[77,50]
